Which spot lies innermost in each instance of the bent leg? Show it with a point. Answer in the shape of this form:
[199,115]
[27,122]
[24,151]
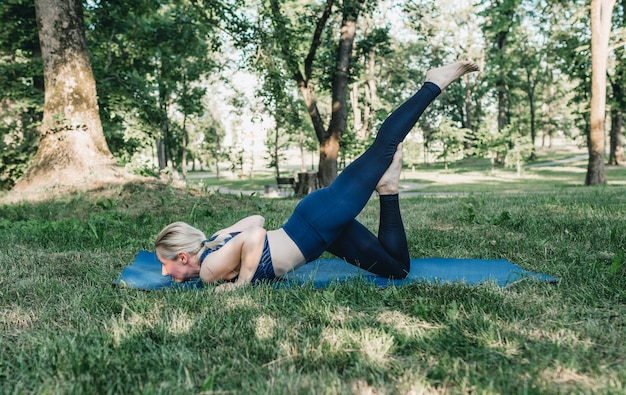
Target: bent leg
[386,256]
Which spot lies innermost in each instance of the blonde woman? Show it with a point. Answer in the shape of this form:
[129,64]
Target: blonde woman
[323,221]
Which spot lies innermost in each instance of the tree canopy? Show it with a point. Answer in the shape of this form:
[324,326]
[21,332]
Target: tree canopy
[324,73]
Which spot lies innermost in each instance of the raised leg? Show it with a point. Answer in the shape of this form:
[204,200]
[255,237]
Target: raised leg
[323,216]
[387,255]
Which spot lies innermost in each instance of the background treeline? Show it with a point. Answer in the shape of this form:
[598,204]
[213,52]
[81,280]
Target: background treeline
[161,68]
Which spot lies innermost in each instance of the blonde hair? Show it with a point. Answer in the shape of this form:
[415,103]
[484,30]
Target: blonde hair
[177,237]
[180,236]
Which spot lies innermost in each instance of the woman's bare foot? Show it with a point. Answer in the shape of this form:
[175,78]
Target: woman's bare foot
[445,75]
[389,183]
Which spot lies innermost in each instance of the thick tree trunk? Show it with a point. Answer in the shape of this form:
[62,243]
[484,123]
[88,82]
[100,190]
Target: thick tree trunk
[329,148]
[329,151]
[600,28]
[72,150]
[328,138]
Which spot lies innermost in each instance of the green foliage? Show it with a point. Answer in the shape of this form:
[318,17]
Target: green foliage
[150,58]
[451,139]
[152,61]
[573,37]
[18,143]
[488,143]
[21,87]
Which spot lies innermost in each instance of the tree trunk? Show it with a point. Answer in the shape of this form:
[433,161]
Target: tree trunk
[501,83]
[362,115]
[533,127]
[371,96]
[276,152]
[616,145]
[328,138]
[600,28]
[531,84]
[616,153]
[161,147]
[329,151]
[183,147]
[501,105]
[549,126]
[468,121]
[72,152]
[329,147]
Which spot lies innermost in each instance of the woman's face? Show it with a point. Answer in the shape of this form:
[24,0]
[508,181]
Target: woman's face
[180,269]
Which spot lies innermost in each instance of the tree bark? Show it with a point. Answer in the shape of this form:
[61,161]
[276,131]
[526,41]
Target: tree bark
[501,83]
[600,28]
[616,145]
[531,84]
[616,152]
[327,138]
[329,148]
[72,149]
[371,96]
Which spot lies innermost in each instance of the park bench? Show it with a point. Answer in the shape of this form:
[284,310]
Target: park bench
[306,183]
[285,184]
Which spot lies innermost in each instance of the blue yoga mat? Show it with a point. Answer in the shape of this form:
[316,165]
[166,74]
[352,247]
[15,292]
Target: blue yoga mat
[145,273]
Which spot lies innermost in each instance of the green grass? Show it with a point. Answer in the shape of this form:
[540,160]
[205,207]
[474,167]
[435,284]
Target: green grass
[64,329]
[476,176]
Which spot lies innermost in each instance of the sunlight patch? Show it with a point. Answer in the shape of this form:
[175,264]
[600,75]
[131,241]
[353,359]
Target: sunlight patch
[560,337]
[373,345]
[415,383]
[264,327]
[492,336]
[234,300]
[568,377]
[408,326]
[508,347]
[179,323]
[342,314]
[16,318]
[362,387]
[130,322]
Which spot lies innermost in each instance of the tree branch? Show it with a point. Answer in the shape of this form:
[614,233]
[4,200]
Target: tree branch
[315,43]
[616,46]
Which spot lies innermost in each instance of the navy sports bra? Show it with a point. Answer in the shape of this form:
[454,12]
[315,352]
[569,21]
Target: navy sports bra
[265,269]
[217,247]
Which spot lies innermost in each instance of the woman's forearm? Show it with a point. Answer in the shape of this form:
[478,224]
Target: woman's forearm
[251,252]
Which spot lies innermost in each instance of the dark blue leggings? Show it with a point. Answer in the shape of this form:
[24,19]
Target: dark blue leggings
[325,219]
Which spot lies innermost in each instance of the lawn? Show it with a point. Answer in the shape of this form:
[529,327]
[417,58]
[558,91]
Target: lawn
[64,329]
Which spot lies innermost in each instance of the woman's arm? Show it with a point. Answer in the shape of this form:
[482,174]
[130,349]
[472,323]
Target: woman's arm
[239,257]
[253,221]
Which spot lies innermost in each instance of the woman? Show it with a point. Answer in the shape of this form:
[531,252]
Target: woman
[323,221]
